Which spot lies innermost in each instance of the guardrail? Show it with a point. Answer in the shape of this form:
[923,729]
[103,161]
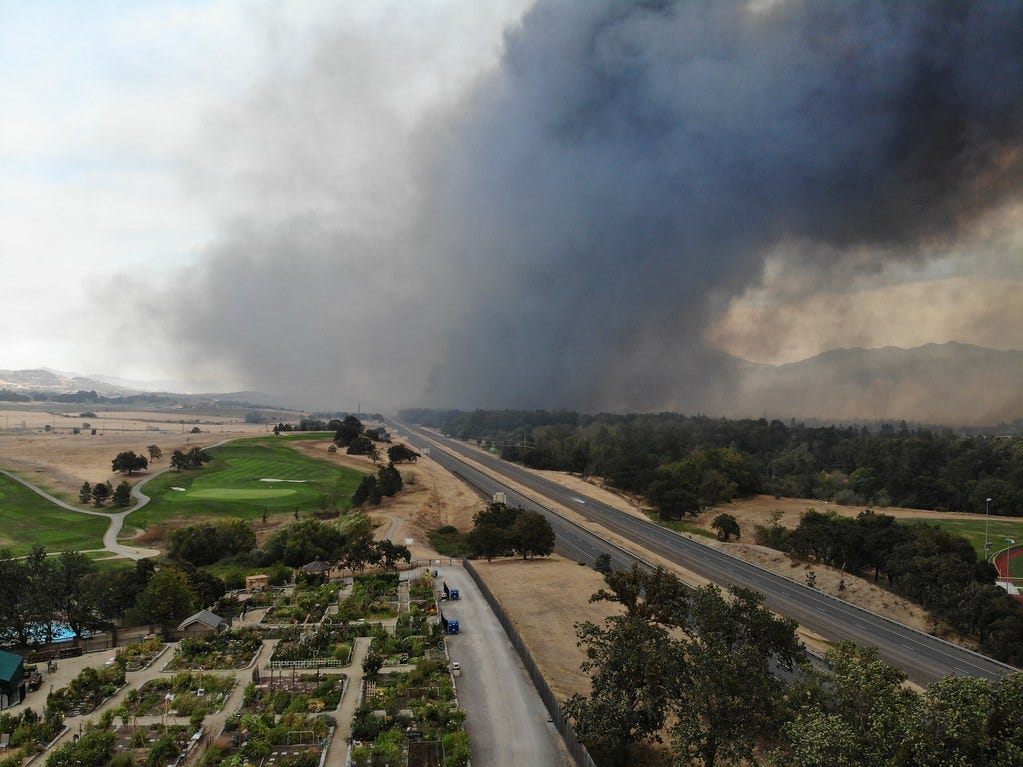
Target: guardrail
[558,717]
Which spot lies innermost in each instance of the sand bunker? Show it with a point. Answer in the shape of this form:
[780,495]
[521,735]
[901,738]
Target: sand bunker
[271,479]
[179,489]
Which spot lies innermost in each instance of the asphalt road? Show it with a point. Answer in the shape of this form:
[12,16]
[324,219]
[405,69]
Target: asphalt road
[924,658]
[506,720]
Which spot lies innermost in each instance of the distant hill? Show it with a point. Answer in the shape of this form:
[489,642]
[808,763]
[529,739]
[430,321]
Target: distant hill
[44,382]
[951,383]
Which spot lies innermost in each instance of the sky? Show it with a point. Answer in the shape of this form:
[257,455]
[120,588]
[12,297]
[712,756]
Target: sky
[503,203]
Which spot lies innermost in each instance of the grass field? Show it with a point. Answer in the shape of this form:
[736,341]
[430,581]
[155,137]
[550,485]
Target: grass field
[230,486]
[27,518]
[999,529]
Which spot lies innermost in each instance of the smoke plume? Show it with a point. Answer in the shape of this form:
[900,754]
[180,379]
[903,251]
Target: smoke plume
[563,229]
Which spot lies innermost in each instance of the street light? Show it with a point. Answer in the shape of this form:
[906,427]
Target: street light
[987,515]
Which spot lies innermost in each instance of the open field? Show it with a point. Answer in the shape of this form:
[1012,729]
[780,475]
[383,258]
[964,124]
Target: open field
[27,518]
[1000,528]
[231,486]
[59,460]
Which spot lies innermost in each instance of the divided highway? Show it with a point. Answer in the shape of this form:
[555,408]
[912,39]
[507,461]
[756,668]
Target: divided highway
[923,657]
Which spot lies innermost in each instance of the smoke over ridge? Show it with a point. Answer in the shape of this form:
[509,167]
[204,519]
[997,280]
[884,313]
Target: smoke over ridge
[563,230]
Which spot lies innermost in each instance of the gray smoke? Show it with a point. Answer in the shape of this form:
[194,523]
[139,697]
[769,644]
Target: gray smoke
[581,214]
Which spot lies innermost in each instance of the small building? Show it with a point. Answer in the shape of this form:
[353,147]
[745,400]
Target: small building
[203,622]
[317,567]
[12,679]
[257,582]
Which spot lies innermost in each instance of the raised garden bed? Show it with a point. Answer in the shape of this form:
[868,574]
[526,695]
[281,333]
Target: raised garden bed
[28,732]
[289,692]
[373,597]
[233,649]
[180,695]
[138,655]
[86,691]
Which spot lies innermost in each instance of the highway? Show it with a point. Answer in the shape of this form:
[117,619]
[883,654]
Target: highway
[924,658]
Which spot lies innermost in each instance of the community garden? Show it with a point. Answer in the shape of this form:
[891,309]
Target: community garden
[184,694]
[414,713]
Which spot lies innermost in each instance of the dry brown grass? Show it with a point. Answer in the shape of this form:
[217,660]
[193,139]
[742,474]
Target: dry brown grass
[60,461]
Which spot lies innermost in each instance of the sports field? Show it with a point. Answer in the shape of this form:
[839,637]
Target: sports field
[234,484]
[27,518]
[999,528]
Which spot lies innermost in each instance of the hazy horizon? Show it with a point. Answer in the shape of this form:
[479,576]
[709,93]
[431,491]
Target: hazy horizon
[519,203]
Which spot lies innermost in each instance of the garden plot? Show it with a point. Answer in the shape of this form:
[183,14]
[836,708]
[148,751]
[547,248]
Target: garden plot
[373,597]
[138,655]
[87,691]
[28,732]
[330,646]
[304,605]
[411,713]
[153,744]
[414,637]
[289,740]
[180,695]
[290,692]
[103,745]
[233,649]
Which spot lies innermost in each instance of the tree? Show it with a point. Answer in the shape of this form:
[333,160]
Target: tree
[166,601]
[602,563]
[487,540]
[633,662]
[85,494]
[350,428]
[100,493]
[366,492]
[401,454]
[726,526]
[78,607]
[122,495]
[193,459]
[532,535]
[128,462]
[361,445]
[391,552]
[727,695]
[388,481]
[155,453]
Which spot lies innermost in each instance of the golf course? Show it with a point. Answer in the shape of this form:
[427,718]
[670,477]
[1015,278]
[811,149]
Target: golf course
[247,479]
[26,518]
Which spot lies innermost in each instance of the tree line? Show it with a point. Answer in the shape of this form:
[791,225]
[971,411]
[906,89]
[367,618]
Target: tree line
[681,463]
[706,671]
[930,566]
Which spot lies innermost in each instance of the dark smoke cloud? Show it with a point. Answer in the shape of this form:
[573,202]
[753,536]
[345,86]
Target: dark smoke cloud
[585,209]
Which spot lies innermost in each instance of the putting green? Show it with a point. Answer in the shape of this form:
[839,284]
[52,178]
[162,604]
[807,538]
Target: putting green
[236,494]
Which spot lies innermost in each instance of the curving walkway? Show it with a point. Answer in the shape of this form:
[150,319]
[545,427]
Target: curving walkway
[116,518]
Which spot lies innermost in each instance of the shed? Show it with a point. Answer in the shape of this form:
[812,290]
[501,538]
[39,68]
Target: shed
[203,622]
[316,567]
[12,679]
[257,582]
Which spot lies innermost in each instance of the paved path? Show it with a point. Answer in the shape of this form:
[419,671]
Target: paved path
[338,750]
[506,720]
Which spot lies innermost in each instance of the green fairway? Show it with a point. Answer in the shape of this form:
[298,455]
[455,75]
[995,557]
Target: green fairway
[230,485]
[999,528]
[237,494]
[27,518]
